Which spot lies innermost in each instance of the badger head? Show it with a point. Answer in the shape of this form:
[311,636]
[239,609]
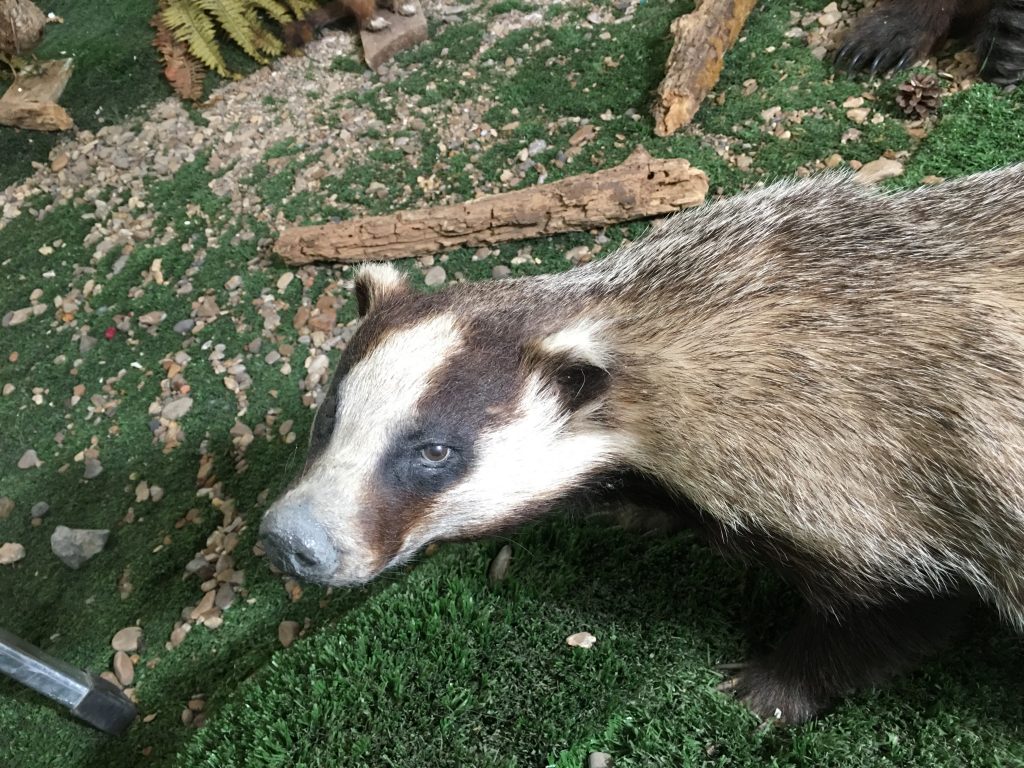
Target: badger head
[451,415]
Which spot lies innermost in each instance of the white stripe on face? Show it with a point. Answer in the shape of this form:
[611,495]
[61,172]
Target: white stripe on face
[376,401]
[537,457]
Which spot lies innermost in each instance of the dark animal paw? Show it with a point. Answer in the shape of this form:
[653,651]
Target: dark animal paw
[772,696]
[1000,44]
[884,40]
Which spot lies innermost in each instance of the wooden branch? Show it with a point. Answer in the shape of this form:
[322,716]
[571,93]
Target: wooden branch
[402,33]
[640,187]
[31,101]
[695,62]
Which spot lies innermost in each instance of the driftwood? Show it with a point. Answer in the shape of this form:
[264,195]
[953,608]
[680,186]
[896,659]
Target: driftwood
[640,187]
[31,100]
[695,62]
[404,32]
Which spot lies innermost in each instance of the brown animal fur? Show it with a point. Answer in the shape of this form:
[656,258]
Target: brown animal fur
[299,33]
[830,374]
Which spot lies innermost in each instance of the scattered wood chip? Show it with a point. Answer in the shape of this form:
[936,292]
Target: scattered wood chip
[29,460]
[498,568]
[11,552]
[877,170]
[581,640]
[287,631]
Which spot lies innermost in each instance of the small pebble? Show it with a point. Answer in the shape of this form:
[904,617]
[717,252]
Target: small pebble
[123,669]
[287,631]
[39,509]
[74,546]
[6,507]
[434,276]
[581,640]
[127,639]
[11,552]
[599,760]
[499,271]
[29,460]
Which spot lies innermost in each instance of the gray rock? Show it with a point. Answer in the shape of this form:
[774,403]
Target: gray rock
[93,468]
[536,147]
[73,546]
[176,409]
[435,276]
[599,760]
[184,326]
[499,271]
[39,509]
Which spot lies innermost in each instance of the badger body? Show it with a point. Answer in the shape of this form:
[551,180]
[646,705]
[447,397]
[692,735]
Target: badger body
[831,374]
[896,33]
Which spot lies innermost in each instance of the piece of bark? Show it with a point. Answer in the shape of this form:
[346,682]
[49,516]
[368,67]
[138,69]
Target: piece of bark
[31,100]
[695,62]
[642,186]
[404,33]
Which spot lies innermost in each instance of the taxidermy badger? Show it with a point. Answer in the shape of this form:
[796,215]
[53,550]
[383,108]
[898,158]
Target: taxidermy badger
[832,375]
[365,12]
[899,32]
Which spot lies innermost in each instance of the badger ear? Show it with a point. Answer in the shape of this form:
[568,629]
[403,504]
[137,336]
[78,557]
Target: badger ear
[375,283]
[575,362]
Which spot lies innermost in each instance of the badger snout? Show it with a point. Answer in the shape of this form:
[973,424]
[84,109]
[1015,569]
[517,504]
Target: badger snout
[297,544]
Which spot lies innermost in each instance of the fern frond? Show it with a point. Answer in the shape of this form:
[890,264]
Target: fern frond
[191,26]
[232,18]
[275,10]
[300,8]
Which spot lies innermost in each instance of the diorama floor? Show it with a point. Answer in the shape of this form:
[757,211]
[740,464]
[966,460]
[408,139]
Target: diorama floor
[158,364]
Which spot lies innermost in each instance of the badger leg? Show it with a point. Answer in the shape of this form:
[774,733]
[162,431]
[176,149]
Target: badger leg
[899,32]
[1001,43]
[824,657]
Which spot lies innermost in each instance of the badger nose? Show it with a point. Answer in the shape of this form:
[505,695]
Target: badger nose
[297,544]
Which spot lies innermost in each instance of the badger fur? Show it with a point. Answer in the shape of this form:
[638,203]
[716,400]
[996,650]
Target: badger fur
[830,374]
[896,33]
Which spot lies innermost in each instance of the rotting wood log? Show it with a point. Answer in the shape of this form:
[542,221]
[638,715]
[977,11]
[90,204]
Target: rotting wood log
[31,100]
[640,187]
[695,61]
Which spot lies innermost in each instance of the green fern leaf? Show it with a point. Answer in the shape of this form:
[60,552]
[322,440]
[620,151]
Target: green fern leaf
[195,29]
[275,10]
[300,8]
[230,15]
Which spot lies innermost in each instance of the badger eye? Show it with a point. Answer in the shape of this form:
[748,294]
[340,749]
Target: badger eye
[435,454]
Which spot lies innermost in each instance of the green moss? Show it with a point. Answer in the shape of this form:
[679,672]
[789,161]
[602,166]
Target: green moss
[432,667]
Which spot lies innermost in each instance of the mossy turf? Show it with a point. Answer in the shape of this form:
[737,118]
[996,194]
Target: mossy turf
[431,666]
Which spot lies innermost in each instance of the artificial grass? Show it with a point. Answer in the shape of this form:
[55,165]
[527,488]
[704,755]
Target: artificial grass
[432,667]
[116,70]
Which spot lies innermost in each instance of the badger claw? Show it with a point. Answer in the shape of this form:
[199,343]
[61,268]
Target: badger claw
[377,24]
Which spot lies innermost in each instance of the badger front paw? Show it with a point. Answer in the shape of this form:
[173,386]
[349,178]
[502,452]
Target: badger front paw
[772,695]
[885,40]
[1000,45]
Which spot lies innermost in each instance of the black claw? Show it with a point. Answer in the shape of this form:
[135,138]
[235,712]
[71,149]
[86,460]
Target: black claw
[842,55]
[905,60]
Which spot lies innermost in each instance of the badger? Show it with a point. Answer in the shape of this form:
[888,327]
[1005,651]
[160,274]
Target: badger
[896,33]
[826,377]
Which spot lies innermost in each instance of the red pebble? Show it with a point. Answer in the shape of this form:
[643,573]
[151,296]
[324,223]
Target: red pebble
[110,333]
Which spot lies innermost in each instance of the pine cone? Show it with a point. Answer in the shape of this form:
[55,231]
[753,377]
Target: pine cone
[919,96]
